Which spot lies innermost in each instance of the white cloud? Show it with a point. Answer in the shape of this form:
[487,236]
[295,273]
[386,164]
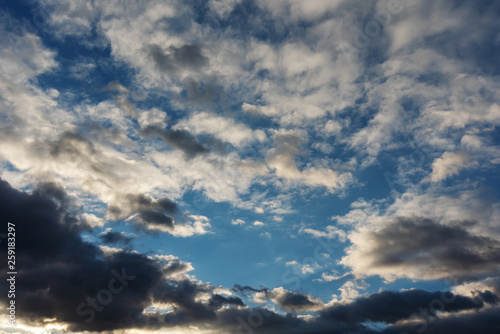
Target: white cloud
[238,222]
[448,164]
[152,117]
[329,278]
[331,232]
[223,7]
[23,56]
[266,235]
[92,220]
[303,269]
[198,225]
[297,9]
[350,290]
[282,160]
[223,128]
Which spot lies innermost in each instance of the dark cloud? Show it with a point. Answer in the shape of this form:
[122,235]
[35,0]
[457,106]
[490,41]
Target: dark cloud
[59,270]
[264,321]
[390,306]
[172,59]
[150,211]
[295,301]
[206,93]
[218,301]
[244,289]
[489,297]
[287,300]
[439,251]
[63,277]
[112,238]
[151,217]
[72,145]
[180,139]
[61,274]
[485,322]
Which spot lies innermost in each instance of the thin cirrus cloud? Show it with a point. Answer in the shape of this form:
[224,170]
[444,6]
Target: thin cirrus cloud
[355,142]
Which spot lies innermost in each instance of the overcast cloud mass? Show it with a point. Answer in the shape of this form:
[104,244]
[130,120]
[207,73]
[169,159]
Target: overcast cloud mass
[251,166]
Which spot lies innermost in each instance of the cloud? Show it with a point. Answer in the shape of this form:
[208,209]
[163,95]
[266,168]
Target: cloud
[350,289]
[223,8]
[195,225]
[329,278]
[286,300]
[488,284]
[448,164]
[56,261]
[421,248]
[238,222]
[289,300]
[172,59]
[332,232]
[180,139]
[153,117]
[151,213]
[303,269]
[470,322]
[231,74]
[297,10]
[223,128]
[390,307]
[282,160]
[92,220]
[115,86]
[50,238]
[23,55]
[112,237]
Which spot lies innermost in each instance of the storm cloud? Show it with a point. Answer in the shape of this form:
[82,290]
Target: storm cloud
[55,260]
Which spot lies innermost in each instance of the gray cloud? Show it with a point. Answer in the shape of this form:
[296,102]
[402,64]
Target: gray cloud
[46,290]
[180,139]
[390,306]
[423,248]
[485,322]
[151,212]
[112,238]
[172,59]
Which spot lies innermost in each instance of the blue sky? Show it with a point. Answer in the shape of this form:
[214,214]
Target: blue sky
[300,161]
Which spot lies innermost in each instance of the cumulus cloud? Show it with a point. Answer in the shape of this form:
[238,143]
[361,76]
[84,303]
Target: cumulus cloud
[421,248]
[267,102]
[160,280]
[448,164]
[238,221]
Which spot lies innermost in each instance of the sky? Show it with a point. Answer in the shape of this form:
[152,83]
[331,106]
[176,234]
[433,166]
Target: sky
[251,166]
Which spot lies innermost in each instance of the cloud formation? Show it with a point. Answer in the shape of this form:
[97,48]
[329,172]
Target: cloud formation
[422,248]
[168,120]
